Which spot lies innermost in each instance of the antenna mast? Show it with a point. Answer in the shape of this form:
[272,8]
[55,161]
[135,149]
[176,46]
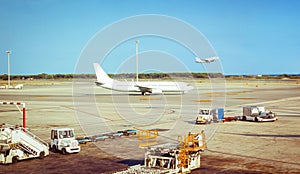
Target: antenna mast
[137,60]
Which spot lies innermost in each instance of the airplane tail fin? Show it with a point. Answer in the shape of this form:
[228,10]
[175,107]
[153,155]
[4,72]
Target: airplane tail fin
[102,77]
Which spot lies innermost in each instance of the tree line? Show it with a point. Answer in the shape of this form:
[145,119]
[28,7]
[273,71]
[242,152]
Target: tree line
[121,76]
[146,76]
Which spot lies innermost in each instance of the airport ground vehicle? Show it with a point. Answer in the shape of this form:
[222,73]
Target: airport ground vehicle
[258,114]
[210,115]
[204,116]
[172,158]
[17,143]
[63,140]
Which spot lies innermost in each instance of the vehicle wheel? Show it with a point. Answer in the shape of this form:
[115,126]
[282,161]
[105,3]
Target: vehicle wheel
[256,119]
[63,151]
[54,149]
[244,118]
[42,155]
[15,159]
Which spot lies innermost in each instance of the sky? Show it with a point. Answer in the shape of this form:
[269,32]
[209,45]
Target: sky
[249,36]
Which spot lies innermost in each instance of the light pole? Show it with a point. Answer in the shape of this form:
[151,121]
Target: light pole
[137,59]
[8,67]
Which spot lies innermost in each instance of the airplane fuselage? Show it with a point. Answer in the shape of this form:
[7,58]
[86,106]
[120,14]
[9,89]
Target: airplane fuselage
[146,87]
[106,82]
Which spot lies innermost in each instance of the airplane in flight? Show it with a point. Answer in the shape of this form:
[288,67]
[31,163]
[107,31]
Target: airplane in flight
[104,81]
[207,60]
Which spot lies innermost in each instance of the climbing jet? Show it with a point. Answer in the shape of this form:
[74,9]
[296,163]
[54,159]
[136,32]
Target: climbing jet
[207,60]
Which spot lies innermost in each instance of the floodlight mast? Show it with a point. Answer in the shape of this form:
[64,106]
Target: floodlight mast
[8,67]
[137,59]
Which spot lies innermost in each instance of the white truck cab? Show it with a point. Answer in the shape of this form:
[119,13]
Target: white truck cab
[63,140]
[204,116]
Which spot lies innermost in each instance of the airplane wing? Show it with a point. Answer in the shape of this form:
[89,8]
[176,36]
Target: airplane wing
[212,59]
[145,89]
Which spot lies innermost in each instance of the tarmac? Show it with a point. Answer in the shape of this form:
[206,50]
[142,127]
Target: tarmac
[233,147]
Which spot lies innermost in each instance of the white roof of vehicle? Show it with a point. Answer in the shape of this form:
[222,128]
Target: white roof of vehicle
[62,129]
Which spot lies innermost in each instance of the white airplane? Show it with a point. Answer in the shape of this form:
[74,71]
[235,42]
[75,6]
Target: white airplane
[19,86]
[207,60]
[105,81]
